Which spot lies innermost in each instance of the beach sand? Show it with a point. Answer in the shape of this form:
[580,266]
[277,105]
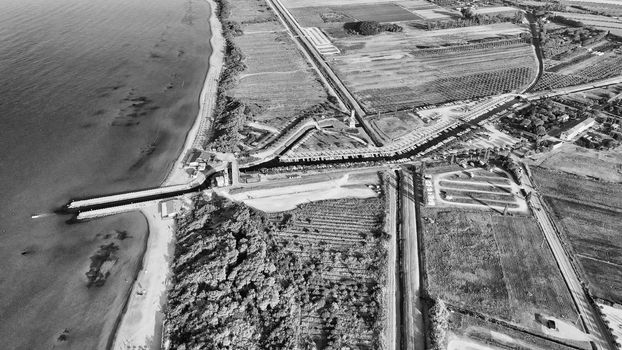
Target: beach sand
[141,323]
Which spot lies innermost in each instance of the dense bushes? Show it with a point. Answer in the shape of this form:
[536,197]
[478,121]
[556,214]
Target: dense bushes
[370,27]
[229,116]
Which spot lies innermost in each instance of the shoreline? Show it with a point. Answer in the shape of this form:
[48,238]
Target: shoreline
[117,322]
[138,321]
[198,132]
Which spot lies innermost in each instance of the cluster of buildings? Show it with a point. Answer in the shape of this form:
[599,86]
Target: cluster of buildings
[572,133]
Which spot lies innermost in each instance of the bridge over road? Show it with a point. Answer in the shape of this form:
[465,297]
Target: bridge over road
[135,196]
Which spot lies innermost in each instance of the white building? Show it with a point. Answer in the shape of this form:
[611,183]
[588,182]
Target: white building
[573,132]
[170,208]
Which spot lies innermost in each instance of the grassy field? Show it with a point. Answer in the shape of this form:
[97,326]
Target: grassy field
[278,82]
[576,188]
[493,264]
[605,165]
[594,235]
[588,214]
[409,69]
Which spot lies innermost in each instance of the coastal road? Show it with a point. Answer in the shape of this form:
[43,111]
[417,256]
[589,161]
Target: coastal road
[413,337]
[589,318]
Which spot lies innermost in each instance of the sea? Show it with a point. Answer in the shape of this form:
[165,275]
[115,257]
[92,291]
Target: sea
[96,97]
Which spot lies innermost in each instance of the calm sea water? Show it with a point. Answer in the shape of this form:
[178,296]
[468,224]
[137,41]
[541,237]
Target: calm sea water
[95,97]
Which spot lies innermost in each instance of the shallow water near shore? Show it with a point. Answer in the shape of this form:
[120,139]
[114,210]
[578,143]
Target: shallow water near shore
[96,97]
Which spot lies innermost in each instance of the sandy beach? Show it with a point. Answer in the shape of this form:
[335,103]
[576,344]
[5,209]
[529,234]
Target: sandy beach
[141,324]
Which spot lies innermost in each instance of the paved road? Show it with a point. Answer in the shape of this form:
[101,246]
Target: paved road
[591,324]
[393,310]
[412,326]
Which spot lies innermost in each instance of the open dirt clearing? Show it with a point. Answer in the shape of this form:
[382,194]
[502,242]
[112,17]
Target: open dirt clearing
[471,333]
[280,197]
[391,70]
[494,264]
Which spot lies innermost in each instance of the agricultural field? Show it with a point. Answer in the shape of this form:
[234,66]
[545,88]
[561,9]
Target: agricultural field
[476,189]
[342,244]
[606,23]
[605,7]
[575,56]
[278,84]
[416,67]
[603,165]
[587,212]
[494,264]
[577,188]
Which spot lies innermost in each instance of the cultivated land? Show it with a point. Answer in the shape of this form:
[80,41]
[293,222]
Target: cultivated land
[493,264]
[400,70]
[278,82]
[343,241]
[604,165]
[575,56]
[587,213]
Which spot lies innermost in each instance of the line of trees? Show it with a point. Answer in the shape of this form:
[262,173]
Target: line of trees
[370,27]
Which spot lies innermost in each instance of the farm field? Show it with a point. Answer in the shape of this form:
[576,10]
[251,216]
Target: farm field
[594,235]
[475,189]
[587,213]
[495,265]
[409,69]
[576,188]
[604,165]
[606,23]
[342,242]
[570,60]
[277,83]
